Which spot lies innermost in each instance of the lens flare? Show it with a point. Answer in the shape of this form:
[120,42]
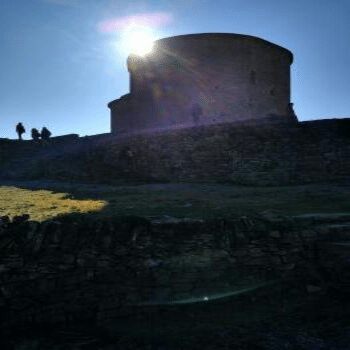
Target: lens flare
[152,20]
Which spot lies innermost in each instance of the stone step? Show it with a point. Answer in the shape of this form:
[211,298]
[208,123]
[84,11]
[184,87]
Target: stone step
[323,218]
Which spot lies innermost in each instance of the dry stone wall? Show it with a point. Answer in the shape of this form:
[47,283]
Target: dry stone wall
[75,270]
[241,153]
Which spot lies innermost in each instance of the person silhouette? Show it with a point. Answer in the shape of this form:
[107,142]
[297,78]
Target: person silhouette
[20,130]
[45,133]
[291,113]
[35,134]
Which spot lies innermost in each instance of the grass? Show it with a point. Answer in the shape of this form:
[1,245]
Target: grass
[208,202]
[204,201]
[43,204]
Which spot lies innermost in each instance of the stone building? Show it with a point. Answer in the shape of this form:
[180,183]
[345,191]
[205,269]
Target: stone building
[202,79]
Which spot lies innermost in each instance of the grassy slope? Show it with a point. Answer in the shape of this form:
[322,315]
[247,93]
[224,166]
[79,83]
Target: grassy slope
[191,201]
[42,204]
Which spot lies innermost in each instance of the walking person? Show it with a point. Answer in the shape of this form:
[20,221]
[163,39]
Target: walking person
[20,130]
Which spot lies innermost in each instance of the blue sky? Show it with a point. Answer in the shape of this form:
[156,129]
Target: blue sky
[59,68]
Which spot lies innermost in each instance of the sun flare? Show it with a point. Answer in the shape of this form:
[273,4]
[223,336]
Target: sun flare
[139,42]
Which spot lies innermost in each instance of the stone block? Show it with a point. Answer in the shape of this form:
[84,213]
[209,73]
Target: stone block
[4,268]
[68,259]
[37,242]
[311,289]
[254,252]
[102,263]
[107,242]
[240,252]
[275,234]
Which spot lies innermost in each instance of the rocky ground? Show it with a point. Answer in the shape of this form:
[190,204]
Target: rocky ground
[200,327]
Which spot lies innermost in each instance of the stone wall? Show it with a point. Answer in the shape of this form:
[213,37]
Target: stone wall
[271,153]
[76,269]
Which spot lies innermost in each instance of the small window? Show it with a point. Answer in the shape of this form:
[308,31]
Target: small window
[196,112]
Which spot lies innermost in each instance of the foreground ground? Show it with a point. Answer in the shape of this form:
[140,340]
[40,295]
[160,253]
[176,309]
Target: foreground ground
[307,322]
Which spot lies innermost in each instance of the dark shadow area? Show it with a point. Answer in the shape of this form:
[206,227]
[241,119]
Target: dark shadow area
[246,321]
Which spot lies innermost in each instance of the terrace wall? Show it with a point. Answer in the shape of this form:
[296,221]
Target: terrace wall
[75,270]
[238,153]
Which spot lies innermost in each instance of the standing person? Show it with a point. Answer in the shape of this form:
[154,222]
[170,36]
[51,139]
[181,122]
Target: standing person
[45,133]
[35,134]
[291,113]
[20,130]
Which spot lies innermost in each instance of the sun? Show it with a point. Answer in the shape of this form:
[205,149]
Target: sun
[140,43]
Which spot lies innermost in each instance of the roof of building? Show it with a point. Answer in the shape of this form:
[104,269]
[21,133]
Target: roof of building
[223,36]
